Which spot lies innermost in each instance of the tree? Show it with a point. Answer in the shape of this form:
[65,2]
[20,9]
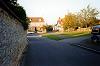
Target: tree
[21,14]
[12,2]
[49,28]
[80,20]
[69,21]
[18,11]
[89,14]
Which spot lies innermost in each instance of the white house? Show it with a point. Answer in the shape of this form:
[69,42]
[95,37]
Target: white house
[36,22]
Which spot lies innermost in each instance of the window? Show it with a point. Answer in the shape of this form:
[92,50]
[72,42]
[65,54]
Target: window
[40,20]
[30,19]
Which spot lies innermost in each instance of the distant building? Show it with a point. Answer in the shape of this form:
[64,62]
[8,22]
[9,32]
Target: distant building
[98,22]
[59,24]
[36,23]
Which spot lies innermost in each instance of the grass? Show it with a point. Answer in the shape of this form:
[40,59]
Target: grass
[54,37]
[65,35]
[75,34]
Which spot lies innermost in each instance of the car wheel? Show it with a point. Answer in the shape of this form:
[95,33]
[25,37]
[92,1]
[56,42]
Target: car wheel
[94,38]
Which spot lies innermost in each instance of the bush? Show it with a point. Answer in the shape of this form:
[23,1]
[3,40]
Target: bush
[49,28]
[19,12]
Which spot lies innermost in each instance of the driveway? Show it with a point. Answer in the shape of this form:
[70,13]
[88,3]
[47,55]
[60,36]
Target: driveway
[45,52]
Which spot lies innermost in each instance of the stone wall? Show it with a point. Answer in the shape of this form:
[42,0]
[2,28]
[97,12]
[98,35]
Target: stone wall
[12,39]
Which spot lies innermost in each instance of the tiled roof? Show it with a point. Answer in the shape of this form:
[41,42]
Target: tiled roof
[36,19]
[59,21]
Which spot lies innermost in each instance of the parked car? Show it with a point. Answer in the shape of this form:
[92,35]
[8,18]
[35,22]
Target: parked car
[95,33]
[30,33]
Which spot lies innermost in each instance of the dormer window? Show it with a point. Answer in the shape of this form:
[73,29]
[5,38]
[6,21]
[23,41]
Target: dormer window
[30,19]
[40,20]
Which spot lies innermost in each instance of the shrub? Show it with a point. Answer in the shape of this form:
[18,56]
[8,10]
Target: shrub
[49,28]
[18,11]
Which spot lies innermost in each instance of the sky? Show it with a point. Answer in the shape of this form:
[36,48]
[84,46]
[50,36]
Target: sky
[51,10]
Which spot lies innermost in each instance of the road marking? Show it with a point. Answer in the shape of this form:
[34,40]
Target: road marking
[87,48]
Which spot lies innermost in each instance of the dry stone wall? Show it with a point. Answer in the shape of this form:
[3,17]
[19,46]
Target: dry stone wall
[12,39]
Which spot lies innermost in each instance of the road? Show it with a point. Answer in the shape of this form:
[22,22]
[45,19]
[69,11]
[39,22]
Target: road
[45,52]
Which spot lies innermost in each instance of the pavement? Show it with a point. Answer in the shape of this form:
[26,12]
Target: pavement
[68,52]
[89,45]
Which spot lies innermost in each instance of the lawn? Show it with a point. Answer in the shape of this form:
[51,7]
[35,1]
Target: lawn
[54,37]
[65,35]
[74,34]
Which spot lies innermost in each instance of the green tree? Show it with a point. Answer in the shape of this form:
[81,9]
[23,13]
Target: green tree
[49,28]
[80,20]
[18,11]
[12,2]
[89,14]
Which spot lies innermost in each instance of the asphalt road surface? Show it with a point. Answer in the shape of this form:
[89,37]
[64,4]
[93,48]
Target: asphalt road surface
[45,52]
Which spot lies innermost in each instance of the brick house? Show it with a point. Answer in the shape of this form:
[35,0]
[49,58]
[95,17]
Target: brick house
[36,23]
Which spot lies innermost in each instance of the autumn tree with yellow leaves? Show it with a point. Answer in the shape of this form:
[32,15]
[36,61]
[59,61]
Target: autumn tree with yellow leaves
[85,18]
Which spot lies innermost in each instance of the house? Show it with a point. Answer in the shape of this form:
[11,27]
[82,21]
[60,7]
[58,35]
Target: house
[59,24]
[98,21]
[36,23]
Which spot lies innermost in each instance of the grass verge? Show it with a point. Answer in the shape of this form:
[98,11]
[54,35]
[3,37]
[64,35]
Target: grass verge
[53,37]
[65,35]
